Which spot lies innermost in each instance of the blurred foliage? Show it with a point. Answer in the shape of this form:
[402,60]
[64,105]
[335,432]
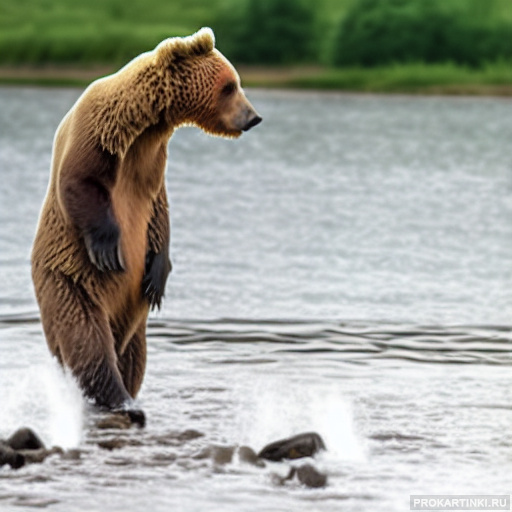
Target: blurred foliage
[281,32]
[267,31]
[376,32]
[96,31]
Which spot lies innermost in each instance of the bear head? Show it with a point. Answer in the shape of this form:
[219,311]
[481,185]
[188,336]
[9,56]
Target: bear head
[201,87]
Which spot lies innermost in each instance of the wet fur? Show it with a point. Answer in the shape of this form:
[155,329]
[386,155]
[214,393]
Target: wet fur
[100,258]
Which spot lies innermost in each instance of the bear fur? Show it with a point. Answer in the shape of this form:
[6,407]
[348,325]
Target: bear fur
[100,259]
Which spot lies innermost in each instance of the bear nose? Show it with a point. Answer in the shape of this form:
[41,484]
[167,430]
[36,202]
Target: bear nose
[252,122]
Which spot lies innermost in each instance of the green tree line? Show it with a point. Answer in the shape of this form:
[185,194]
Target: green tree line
[339,33]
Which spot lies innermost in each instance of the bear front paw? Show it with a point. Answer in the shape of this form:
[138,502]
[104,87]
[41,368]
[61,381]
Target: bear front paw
[104,248]
[157,269]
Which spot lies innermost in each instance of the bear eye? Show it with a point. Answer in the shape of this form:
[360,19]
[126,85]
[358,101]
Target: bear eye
[229,89]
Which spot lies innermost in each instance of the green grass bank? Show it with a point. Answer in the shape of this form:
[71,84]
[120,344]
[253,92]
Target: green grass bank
[425,79]
[403,46]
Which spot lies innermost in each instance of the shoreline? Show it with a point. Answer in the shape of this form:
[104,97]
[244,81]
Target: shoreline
[415,79]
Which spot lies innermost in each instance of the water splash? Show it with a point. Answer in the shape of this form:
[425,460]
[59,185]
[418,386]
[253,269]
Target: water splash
[65,408]
[273,409]
[46,399]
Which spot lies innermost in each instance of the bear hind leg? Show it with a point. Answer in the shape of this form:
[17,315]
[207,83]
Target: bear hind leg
[99,376]
[78,334]
[89,353]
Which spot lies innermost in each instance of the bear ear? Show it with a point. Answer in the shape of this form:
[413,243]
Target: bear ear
[179,48]
[200,43]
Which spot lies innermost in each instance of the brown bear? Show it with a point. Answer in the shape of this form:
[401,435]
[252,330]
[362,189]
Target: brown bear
[101,254]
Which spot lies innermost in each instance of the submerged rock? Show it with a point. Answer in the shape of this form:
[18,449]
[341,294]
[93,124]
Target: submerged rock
[113,444]
[176,438]
[10,457]
[189,435]
[121,419]
[220,455]
[306,474]
[117,421]
[25,439]
[249,456]
[19,448]
[296,447]
[25,447]
[39,455]
[309,476]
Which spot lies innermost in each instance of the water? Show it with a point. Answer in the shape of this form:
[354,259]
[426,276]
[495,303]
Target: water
[343,268]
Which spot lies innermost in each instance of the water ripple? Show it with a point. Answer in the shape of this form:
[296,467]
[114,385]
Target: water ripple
[490,345]
[427,344]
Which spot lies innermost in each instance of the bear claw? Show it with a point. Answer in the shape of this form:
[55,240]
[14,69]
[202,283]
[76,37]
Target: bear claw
[157,269]
[137,417]
[104,249]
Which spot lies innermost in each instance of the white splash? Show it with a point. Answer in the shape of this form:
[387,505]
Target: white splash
[273,409]
[47,400]
[65,408]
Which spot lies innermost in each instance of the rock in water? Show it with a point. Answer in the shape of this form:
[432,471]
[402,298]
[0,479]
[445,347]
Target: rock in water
[25,439]
[249,456]
[11,457]
[40,455]
[113,444]
[114,421]
[309,476]
[296,447]
[222,455]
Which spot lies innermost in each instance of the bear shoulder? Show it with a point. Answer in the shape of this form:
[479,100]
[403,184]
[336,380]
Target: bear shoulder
[121,106]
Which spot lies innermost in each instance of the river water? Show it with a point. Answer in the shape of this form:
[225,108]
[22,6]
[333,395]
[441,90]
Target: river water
[344,268]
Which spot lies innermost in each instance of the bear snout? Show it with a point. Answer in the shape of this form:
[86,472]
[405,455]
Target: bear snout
[253,121]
